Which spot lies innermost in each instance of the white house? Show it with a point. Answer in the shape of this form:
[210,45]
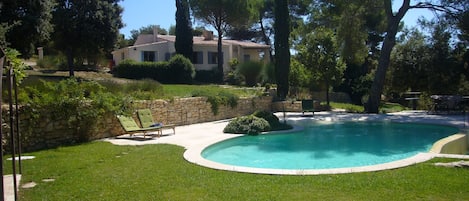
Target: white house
[154,47]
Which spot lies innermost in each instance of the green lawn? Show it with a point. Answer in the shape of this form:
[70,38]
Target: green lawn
[102,171]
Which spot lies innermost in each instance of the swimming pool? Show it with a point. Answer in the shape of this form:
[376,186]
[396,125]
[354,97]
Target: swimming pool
[324,145]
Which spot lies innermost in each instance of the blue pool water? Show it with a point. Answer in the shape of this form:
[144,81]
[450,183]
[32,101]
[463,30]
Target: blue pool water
[329,145]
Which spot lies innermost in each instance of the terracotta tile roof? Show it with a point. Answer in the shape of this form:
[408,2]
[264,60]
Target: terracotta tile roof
[198,40]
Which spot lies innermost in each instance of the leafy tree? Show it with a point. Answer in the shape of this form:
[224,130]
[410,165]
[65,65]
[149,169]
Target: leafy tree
[84,29]
[220,14]
[429,64]
[319,52]
[359,27]
[134,33]
[198,31]
[393,19]
[408,68]
[282,47]
[172,30]
[25,24]
[184,40]
[299,77]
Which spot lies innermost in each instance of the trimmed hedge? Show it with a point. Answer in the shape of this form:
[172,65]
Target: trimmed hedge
[207,76]
[179,70]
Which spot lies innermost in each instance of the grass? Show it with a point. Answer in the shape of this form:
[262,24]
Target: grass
[385,107]
[102,171]
[391,107]
[348,107]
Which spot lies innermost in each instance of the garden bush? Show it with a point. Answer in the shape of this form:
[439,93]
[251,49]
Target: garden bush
[207,76]
[179,70]
[182,70]
[251,72]
[255,123]
[273,120]
[250,125]
[268,116]
[82,104]
[141,70]
[215,99]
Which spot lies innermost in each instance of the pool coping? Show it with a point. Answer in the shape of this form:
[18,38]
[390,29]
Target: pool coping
[195,138]
[194,155]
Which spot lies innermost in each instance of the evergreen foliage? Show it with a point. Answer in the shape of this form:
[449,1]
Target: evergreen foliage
[220,15]
[259,121]
[282,47]
[250,125]
[25,24]
[251,71]
[178,70]
[85,35]
[81,104]
[184,41]
[217,98]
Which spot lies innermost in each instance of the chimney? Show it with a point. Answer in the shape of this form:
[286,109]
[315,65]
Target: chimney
[208,35]
[155,33]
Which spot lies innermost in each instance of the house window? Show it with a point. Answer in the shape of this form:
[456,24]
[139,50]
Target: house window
[149,56]
[247,57]
[122,55]
[198,58]
[213,57]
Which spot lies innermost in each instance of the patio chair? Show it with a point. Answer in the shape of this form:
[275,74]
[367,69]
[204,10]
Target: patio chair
[146,120]
[307,106]
[131,127]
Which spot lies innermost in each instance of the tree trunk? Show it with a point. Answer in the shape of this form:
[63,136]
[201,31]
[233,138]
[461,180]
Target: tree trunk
[393,20]
[266,39]
[70,62]
[327,93]
[220,56]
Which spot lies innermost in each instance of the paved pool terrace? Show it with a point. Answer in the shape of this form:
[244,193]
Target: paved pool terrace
[195,138]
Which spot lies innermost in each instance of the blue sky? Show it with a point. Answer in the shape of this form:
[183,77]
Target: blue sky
[140,13]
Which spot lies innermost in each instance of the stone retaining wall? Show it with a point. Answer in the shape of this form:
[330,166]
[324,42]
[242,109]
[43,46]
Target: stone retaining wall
[53,133]
[294,106]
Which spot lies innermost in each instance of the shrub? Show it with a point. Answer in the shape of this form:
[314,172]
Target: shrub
[141,70]
[182,69]
[80,104]
[207,76]
[273,120]
[268,74]
[268,116]
[178,70]
[251,125]
[234,78]
[250,71]
[215,99]
[51,62]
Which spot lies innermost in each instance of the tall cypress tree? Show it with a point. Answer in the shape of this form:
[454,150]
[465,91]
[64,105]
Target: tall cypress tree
[184,41]
[282,47]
